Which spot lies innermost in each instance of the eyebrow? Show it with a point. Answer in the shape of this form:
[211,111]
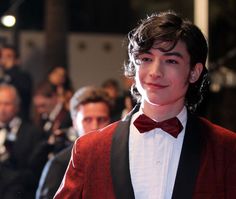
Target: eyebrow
[177,54]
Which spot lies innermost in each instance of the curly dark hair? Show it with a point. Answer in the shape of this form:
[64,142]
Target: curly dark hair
[169,27]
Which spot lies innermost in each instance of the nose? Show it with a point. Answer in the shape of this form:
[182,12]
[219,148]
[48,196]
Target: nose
[94,124]
[156,69]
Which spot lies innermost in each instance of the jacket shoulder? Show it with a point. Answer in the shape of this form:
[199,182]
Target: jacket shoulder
[99,138]
[218,134]
[221,131]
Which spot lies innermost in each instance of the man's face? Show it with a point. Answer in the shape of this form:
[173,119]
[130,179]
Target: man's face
[43,105]
[91,116]
[8,106]
[163,78]
[7,58]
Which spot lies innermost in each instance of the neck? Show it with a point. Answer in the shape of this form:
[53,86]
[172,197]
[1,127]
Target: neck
[161,112]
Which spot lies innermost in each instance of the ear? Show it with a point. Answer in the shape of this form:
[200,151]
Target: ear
[195,73]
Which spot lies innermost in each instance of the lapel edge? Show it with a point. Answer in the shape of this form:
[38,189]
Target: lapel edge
[120,171]
[190,159]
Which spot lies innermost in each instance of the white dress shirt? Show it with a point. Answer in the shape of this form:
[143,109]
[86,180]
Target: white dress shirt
[154,158]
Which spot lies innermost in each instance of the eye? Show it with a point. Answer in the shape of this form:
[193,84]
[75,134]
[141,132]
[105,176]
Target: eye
[171,61]
[87,120]
[142,59]
[102,120]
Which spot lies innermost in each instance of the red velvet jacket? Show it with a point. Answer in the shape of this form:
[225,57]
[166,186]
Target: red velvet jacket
[99,167]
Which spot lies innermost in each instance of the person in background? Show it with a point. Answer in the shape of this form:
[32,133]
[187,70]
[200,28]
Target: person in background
[11,73]
[54,119]
[59,78]
[90,109]
[18,138]
[112,87]
[50,113]
[161,149]
[129,104]
[129,100]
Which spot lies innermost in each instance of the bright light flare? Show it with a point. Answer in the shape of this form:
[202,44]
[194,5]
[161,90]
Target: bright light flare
[8,20]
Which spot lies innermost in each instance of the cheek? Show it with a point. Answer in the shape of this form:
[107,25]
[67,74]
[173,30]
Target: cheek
[103,124]
[85,128]
[187,79]
[181,85]
[78,123]
[180,77]
[138,82]
[139,75]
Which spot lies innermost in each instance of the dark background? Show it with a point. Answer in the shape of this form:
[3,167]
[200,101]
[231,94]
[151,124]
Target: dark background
[120,16]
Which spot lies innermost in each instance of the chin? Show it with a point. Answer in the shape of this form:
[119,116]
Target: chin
[155,102]
[154,99]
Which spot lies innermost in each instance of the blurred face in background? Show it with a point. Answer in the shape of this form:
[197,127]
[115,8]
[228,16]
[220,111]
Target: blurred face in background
[43,104]
[91,116]
[8,104]
[57,76]
[7,58]
[112,91]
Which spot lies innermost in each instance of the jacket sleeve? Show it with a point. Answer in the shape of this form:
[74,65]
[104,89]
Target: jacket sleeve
[72,183]
[53,174]
[231,173]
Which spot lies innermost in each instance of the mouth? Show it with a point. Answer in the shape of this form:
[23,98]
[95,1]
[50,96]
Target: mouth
[156,85]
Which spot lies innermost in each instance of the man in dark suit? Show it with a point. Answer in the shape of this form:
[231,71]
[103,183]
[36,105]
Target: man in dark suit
[18,139]
[90,109]
[12,73]
[50,112]
[160,150]
[52,117]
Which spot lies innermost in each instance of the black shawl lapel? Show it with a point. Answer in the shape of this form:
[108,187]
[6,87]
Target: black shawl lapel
[189,163]
[120,159]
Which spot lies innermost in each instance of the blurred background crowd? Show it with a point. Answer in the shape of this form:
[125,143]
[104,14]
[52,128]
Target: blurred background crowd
[59,46]
[36,121]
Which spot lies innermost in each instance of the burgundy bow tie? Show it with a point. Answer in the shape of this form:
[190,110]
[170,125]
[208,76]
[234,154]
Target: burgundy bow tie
[172,126]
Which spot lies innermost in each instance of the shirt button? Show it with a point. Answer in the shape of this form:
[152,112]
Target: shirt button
[158,162]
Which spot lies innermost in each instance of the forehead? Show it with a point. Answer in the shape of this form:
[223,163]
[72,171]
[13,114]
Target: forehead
[169,49]
[94,108]
[41,99]
[168,46]
[7,95]
[7,52]
[59,70]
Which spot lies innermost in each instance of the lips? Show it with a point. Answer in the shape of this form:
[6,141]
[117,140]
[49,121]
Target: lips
[156,85]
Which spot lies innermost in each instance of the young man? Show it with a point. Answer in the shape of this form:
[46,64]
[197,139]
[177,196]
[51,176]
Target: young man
[90,109]
[160,150]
